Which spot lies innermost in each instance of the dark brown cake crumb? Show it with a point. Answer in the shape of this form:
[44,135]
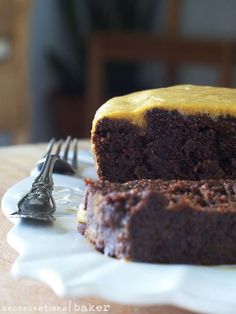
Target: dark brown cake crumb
[170,146]
[184,222]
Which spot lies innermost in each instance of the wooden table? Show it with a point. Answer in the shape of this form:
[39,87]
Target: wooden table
[15,164]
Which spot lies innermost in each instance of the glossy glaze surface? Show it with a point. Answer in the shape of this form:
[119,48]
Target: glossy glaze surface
[187,99]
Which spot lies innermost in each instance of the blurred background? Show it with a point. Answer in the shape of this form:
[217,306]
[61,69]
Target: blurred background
[61,59]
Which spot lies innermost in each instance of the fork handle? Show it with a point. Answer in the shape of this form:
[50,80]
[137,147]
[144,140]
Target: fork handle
[45,175]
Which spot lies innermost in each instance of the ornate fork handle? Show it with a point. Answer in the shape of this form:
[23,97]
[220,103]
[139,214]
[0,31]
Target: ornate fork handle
[38,203]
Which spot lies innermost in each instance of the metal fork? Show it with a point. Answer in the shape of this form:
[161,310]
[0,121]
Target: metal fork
[63,164]
[38,203]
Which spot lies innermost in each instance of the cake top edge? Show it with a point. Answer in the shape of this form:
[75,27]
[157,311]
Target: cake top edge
[187,99]
[213,194]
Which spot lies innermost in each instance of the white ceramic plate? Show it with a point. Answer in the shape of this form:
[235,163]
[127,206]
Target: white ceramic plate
[62,258]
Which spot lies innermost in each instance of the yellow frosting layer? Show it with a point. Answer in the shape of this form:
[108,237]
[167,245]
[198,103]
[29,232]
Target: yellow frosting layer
[187,99]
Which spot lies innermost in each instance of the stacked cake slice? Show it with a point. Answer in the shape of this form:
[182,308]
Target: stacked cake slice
[183,138]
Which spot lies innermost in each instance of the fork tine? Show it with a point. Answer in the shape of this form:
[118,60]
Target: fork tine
[63,164]
[59,144]
[66,148]
[50,146]
[75,153]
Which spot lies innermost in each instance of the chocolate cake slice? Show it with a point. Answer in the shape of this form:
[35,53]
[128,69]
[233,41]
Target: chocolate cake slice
[180,132]
[155,221]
